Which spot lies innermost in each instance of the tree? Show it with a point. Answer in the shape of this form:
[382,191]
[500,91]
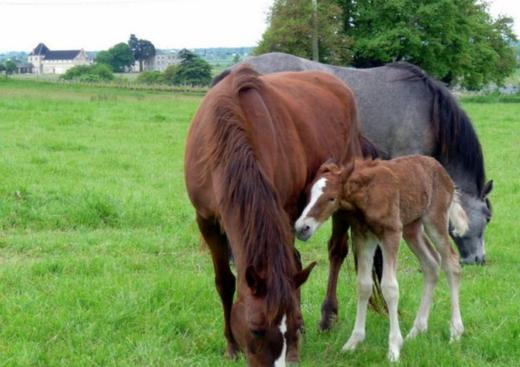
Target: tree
[141,49]
[104,57]
[457,41]
[10,67]
[118,57]
[291,29]
[192,70]
[170,74]
[2,68]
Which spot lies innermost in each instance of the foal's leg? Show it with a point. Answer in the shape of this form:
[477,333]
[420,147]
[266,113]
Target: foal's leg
[224,278]
[437,229]
[365,248]
[390,288]
[420,246]
[338,250]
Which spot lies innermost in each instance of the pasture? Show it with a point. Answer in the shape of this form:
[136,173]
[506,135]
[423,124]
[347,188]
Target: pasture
[100,261]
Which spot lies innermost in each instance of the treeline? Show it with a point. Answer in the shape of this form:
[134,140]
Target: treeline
[457,41]
[190,71]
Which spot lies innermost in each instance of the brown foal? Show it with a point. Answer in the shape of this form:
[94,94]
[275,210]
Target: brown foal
[404,197]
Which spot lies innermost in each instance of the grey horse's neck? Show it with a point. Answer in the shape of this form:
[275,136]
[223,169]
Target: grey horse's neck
[463,179]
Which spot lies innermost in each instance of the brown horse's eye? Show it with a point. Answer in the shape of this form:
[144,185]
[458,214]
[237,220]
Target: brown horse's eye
[332,200]
[258,333]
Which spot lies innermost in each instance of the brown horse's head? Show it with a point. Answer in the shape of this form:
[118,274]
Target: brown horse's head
[327,191]
[267,336]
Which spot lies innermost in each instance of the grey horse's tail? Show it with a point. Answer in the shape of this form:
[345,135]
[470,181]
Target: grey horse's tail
[377,301]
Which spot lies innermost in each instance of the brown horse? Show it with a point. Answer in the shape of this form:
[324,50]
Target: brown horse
[254,146]
[393,198]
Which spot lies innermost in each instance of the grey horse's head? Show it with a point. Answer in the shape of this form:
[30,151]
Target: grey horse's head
[478,209]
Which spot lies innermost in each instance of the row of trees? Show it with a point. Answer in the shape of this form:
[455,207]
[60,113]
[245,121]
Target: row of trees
[455,40]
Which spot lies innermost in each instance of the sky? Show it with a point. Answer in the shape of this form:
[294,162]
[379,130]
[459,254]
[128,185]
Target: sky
[100,24]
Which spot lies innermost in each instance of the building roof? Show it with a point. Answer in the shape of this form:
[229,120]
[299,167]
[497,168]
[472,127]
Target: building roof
[62,55]
[42,50]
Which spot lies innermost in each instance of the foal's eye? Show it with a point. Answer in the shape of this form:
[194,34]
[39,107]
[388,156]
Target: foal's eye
[258,333]
[332,200]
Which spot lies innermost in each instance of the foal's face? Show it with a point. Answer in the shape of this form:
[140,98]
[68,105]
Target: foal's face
[323,201]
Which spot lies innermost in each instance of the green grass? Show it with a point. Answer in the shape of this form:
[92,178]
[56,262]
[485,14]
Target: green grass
[100,263]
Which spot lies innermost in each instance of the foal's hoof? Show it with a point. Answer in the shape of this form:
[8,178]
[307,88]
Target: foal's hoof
[328,321]
[415,331]
[231,351]
[353,342]
[456,332]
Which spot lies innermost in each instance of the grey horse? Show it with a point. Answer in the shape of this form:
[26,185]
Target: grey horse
[404,111]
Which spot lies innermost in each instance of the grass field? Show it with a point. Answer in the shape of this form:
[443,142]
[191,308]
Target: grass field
[100,262]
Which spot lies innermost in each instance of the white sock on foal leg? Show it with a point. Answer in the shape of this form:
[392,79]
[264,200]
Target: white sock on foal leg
[365,250]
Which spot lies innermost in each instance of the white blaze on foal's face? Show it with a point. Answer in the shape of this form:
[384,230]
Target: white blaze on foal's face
[306,225]
[280,362]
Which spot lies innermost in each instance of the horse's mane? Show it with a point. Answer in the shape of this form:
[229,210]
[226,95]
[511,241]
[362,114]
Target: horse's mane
[249,197]
[457,141]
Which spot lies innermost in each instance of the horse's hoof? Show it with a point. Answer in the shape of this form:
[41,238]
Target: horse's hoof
[393,356]
[415,331]
[352,343]
[328,321]
[231,352]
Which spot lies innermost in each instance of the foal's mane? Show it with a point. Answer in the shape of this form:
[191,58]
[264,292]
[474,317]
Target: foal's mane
[457,141]
[248,196]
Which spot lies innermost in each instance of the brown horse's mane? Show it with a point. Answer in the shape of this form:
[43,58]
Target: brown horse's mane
[248,196]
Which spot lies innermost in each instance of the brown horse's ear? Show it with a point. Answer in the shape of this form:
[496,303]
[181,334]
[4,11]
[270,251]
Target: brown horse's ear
[303,275]
[488,187]
[255,282]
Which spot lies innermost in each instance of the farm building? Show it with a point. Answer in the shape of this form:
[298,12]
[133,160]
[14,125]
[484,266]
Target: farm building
[45,61]
[159,62]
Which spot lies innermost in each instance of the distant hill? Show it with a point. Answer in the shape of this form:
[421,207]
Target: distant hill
[13,55]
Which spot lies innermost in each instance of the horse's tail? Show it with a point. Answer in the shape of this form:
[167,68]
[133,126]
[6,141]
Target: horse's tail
[455,136]
[458,217]
[369,149]
[248,197]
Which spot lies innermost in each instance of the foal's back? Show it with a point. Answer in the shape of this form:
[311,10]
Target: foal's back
[412,182]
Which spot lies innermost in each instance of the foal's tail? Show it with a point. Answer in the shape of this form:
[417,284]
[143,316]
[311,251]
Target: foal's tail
[458,217]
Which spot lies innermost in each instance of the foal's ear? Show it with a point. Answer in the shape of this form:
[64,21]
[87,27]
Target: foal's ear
[303,275]
[255,282]
[346,171]
[488,187]
[329,166]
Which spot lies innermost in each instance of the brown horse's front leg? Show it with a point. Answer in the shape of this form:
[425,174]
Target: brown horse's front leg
[224,278]
[338,250]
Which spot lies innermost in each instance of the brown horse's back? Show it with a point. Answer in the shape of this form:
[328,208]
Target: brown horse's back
[294,121]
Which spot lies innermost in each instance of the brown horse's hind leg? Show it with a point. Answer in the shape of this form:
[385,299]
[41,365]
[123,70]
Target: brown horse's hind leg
[338,250]
[224,278]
